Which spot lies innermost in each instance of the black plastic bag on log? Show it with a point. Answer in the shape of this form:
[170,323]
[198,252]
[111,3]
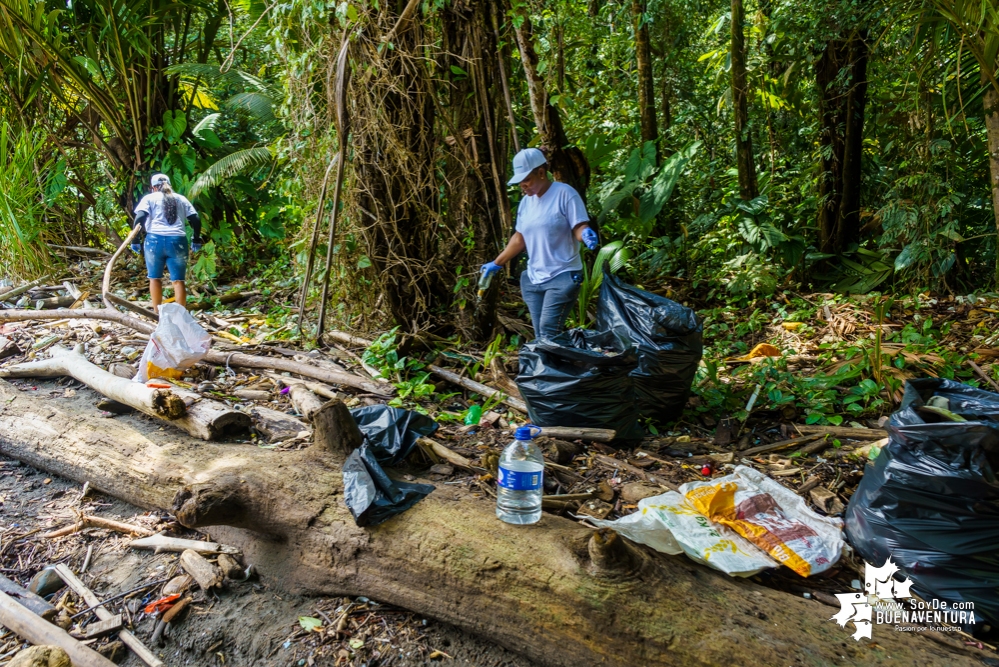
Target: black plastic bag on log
[668,336]
[390,434]
[930,500]
[581,378]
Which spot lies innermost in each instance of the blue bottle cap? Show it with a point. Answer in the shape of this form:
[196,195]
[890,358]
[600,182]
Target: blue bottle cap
[524,432]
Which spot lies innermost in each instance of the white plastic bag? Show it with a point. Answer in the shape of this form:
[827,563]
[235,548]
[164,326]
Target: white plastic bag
[732,523]
[668,523]
[770,516]
[178,343]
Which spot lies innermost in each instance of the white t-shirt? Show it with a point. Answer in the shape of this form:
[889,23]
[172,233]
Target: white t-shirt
[152,205]
[546,223]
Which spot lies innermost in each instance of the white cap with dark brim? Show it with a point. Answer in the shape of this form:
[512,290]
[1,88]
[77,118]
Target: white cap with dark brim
[524,163]
[159,179]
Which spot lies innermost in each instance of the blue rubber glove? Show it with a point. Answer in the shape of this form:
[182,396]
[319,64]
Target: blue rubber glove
[590,239]
[195,247]
[136,248]
[490,267]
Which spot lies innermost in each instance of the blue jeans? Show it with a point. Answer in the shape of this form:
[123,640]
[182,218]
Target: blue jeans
[166,251]
[550,302]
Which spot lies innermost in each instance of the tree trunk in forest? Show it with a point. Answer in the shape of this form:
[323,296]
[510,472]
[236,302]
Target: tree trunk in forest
[646,83]
[842,104]
[743,140]
[566,162]
[394,185]
[478,206]
[991,99]
[555,592]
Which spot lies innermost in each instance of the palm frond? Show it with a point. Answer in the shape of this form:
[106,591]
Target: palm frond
[227,167]
[258,105]
[209,122]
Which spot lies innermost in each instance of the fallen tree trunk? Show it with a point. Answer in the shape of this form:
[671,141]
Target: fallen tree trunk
[186,410]
[554,592]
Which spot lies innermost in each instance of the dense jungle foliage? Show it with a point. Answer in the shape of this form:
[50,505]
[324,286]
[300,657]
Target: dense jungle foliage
[734,149]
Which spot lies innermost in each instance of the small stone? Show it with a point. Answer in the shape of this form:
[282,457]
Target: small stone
[41,656]
[46,481]
[45,582]
[178,584]
[635,491]
[442,469]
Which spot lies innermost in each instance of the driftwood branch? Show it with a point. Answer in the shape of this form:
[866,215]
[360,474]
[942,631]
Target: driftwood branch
[477,387]
[40,632]
[106,283]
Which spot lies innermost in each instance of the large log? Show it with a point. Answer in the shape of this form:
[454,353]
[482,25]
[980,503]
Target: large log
[551,592]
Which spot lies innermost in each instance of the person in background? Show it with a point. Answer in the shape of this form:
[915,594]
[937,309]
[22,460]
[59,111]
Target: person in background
[551,222]
[161,215]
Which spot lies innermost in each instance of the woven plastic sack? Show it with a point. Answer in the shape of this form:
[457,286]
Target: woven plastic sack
[770,516]
[178,343]
[668,523]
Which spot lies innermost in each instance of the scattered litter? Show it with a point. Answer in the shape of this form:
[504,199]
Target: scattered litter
[178,343]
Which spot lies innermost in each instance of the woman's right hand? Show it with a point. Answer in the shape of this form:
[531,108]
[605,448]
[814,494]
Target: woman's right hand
[490,267]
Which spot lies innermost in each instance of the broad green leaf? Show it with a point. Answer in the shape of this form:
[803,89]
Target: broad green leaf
[310,624]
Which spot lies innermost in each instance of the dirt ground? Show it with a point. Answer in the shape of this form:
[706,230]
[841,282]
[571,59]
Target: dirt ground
[245,624]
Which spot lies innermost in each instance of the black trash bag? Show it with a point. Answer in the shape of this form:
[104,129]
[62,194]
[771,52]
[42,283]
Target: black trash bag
[389,436]
[580,378]
[931,498]
[668,337]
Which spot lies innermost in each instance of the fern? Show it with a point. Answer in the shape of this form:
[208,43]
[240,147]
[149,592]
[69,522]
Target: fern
[260,106]
[229,166]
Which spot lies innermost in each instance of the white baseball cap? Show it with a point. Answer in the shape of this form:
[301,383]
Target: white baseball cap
[159,179]
[524,163]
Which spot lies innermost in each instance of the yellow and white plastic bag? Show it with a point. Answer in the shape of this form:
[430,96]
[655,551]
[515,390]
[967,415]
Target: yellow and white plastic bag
[670,524]
[774,518]
[178,343]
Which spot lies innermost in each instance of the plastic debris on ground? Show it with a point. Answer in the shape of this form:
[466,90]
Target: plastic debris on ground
[732,523]
[581,378]
[178,343]
[930,500]
[669,342]
[390,434]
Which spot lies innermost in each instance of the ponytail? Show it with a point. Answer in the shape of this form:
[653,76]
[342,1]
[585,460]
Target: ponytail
[169,203]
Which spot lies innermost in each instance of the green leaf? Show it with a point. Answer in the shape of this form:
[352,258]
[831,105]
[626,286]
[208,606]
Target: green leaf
[310,624]
[364,262]
[174,124]
[835,420]
[352,14]
[906,258]
[356,643]
[457,70]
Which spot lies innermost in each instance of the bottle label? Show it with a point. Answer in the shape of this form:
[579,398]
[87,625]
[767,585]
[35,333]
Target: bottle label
[519,481]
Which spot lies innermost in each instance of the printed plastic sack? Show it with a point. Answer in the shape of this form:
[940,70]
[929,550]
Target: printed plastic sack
[178,343]
[580,378]
[770,516]
[931,498]
[389,436]
[668,523]
[668,337]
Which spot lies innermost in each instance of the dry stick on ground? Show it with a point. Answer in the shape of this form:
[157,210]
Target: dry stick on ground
[92,600]
[477,387]
[8,293]
[34,603]
[222,358]
[82,250]
[843,432]
[304,400]
[106,284]
[40,632]
[87,521]
[982,374]
[348,339]
[447,557]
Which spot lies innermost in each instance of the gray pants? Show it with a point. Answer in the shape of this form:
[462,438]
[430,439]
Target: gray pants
[550,302]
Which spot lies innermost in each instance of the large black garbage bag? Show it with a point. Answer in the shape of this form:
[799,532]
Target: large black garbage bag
[581,378]
[668,337]
[389,436]
[931,498]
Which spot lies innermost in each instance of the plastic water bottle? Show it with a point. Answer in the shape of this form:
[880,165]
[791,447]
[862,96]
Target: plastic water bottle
[520,479]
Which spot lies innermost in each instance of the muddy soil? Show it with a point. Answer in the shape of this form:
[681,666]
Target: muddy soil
[244,624]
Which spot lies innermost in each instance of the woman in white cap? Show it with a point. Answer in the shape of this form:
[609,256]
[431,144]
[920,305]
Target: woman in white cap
[161,215]
[551,223]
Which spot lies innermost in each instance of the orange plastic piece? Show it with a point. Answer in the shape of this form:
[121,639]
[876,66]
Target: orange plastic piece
[161,605]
